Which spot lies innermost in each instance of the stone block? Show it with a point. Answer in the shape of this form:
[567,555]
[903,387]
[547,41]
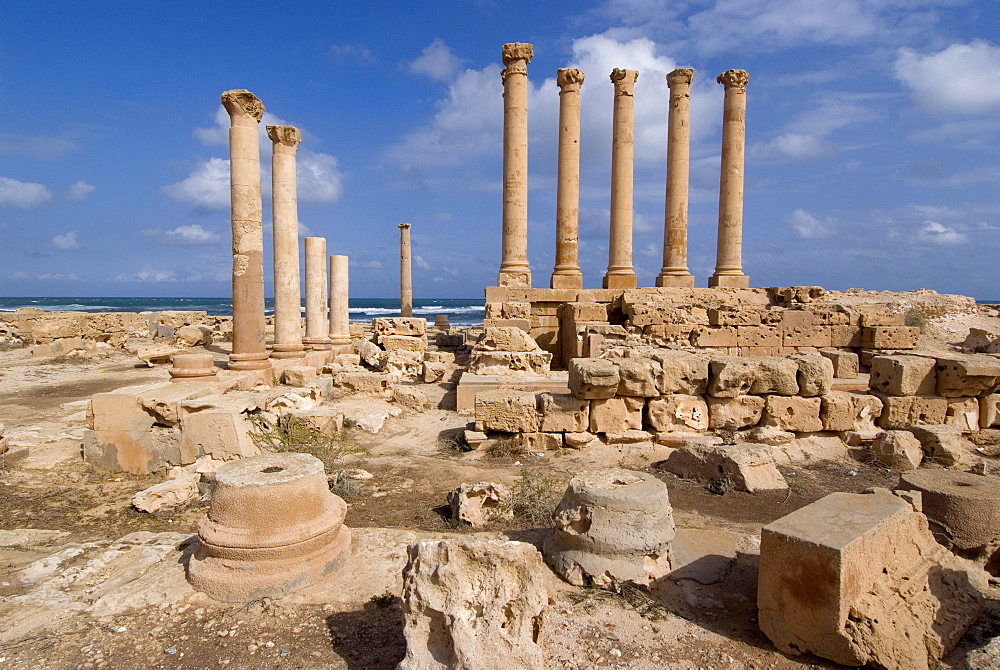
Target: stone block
[989,411]
[730,377]
[858,579]
[681,372]
[402,343]
[830,315]
[963,413]
[739,412]
[537,442]
[586,311]
[678,413]
[902,412]
[510,362]
[192,336]
[815,375]
[135,452]
[368,351]
[298,375]
[967,375]
[746,467]
[734,316]
[898,449]
[401,363]
[592,378]
[668,335]
[165,401]
[482,503]
[364,383]
[964,507]
[800,415]
[347,360]
[410,397]
[399,325]
[889,337]
[118,411]
[637,377]
[844,411]
[563,413]
[845,336]
[845,363]
[650,313]
[433,372]
[507,411]
[219,432]
[758,336]
[325,419]
[506,339]
[580,440]
[447,357]
[515,310]
[903,375]
[616,415]
[943,445]
[714,336]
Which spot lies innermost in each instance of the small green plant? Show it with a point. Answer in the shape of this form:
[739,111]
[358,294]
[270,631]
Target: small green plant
[728,432]
[721,486]
[917,317]
[349,422]
[293,434]
[453,442]
[634,596]
[535,496]
[384,601]
[504,447]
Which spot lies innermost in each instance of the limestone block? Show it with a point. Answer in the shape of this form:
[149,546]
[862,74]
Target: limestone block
[136,452]
[165,401]
[510,362]
[118,411]
[903,375]
[299,375]
[347,360]
[739,412]
[57,348]
[637,377]
[402,343]
[967,375]
[479,504]
[178,490]
[713,336]
[449,339]
[668,335]
[616,415]
[507,411]
[399,325]
[731,376]
[220,432]
[579,440]
[963,413]
[898,449]
[845,363]
[611,526]
[815,376]
[795,295]
[747,467]
[830,315]
[592,378]
[364,383]
[192,336]
[858,579]
[681,372]
[630,436]
[965,507]
[515,310]
[536,442]
[889,337]
[563,413]
[845,336]
[401,363]
[158,354]
[506,339]
[473,604]
[369,352]
[800,415]
[989,411]
[649,313]
[943,445]
[678,413]
[446,357]
[325,419]
[433,372]
[410,397]
[586,311]
[758,336]
[474,438]
[734,316]
[843,411]
[902,412]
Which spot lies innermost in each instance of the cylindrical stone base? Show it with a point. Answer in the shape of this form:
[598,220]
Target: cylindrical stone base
[729,281]
[193,367]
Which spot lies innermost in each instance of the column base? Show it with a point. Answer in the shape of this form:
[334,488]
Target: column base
[729,281]
[623,280]
[675,281]
[317,343]
[566,280]
[254,361]
[339,340]
[514,278]
[288,351]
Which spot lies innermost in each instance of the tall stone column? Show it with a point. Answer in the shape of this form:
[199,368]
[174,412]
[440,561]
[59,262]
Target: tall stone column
[620,273]
[675,269]
[405,272]
[566,273]
[285,222]
[245,111]
[514,270]
[340,316]
[729,259]
[317,326]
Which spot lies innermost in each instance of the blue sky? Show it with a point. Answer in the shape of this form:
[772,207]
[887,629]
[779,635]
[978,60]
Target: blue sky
[872,128]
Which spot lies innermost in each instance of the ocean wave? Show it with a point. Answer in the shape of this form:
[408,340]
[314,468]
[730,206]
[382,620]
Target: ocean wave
[432,309]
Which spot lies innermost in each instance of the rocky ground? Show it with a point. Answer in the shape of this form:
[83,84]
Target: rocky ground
[94,583]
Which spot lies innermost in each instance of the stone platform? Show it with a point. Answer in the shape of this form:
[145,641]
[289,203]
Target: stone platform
[469,385]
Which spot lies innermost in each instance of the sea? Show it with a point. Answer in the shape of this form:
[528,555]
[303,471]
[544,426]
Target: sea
[461,312]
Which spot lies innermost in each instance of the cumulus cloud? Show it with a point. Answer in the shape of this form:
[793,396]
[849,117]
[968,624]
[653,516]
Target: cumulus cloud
[190,235]
[206,187]
[79,190]
[148,276]
[806,136]
[962,79]
[41,147]
[936,234]
[58,276]
[436,62]
[370,265]
[795,146]
[421,263]
[65,242]
[318,177]
[22,194]
[810,227]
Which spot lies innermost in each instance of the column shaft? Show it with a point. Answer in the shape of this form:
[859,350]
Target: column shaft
[729,259]
[340,317]
[317,325]
[249,350]
[405,272]
[285,222]
[675,269]
[566,273]
[620,273]
[514,270]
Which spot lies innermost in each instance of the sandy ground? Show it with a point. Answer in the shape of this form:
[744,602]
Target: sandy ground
[105,586]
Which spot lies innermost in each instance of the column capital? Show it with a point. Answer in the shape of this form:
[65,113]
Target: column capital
[241,102]
[290,136]
[403,226]
[737,79]
[624,81]
[515,51]
[682,76]
[569,78]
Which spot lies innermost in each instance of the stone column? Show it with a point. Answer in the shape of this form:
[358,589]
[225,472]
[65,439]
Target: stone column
[729,259]
[620,273]
[245,111]
[514,270]
[566,273]
[675,270]
[405,272]
[285,222]
[317,327]
[340,316]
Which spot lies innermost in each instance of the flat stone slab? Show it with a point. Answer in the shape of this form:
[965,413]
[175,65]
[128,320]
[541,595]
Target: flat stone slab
[706,556]
[469,385]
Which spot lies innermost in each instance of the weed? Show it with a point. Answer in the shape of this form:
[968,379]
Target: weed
[384,601]
[344,486]
[293,434]
[728,432]
[917,317]
[535,496]
[349,422]
[634,596]
[721,486]
[504,447]
[453,442]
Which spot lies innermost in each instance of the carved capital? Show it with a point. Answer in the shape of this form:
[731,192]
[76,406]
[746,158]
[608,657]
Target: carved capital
[290,136]
[514,51]
[241,102]
[682,76]
[569,77]
[403,226]
[737,79]
[624,81]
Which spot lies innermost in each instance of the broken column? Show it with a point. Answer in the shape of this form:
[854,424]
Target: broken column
[566,273]
[620,273]
[729,259]
[193,367]
[249,350]
[285,221]
[317,327]
[340,315]
[514,270]
[675,270]
[273,527]
[405,272]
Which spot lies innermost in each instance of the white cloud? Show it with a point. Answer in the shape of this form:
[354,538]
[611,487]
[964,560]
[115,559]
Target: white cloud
[65,242]
[371,265]
[318,178]
[149,276]
[934,233]
[436,62]
[190,235]
[795,146]
[207,186]
[22,194]
[354,52]
[41,147]
[217,134]
[962,79]
[809,227]
[80,189]
[421,263]
[59,276]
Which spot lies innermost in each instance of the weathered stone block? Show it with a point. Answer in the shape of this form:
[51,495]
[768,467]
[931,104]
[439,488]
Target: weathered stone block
[535,442]
[678,413]
[901,412]
[843,411]
[800,415]
[298,375]
[815,375]
[739,412]
[412,398]
[592,378]
[967,375]
[681,372]
[399,325]
[734,316]
[479,504]
[563,413]
[506,339]
[586,311]
[845,336]
[369,352]
[943,445]
[889,337]
[747,467]
[637,377]
[579,440]
[989,411]
[903,375]
[731,377]
[219,432]
[616,415]
[845,363]
[898,449]
[136,452]
[118,411]
[446,357]
[963,413]
[364,383]
[433,372]
[510,362]
[507,411]
[402,343]
[758,336]
[714,336]
[663,335]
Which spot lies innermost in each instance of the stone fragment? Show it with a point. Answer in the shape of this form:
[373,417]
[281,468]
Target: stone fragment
[943,445]
[739,412]
[769,435]
[616,415]
[433,372]
[479,504]
[373,422]
[364,383]
[475,438]
[628,436]
[889,337]
[845,363]
[473,604]
[963,413]
[898,449]
[216,427]
[327,420]
[744,467]
[158,354]
[815,375]
[539,441]
[800,415]
[398,325]
[989,411]
[173,492]
[347,360]
[563,413]
[401,363]
[369,352]
[411,398]
[678,413]
[899,413]
[192,336]
[579,440]
[299,375]
[965,507]
[637,377]
[611,526]
[858,579]
[506,339]
[681,372]
[507,411]
[402,343]
[592,378]
[849,411]
[510,362]
[731,377]
[903,375]
[967,375]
